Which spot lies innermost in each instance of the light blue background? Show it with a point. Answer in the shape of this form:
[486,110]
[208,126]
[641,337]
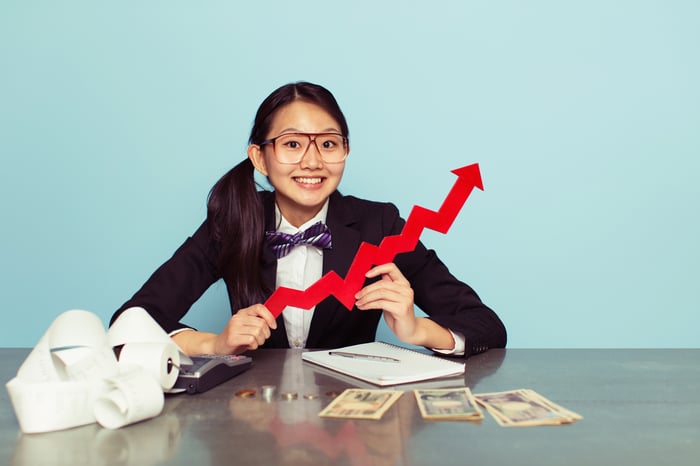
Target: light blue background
[116,119]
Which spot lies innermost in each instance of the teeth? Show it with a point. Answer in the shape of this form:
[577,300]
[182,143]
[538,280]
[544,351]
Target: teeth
[309,180]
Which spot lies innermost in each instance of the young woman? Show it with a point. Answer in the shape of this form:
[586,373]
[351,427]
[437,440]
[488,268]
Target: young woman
[299,141]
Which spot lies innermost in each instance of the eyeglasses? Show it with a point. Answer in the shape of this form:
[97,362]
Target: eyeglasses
[291,148]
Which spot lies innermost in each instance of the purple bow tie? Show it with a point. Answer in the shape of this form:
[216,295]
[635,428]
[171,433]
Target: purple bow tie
[282,244]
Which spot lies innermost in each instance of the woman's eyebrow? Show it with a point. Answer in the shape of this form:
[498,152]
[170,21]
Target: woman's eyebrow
[296,130]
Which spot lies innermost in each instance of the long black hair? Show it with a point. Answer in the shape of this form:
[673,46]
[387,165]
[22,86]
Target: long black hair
[234,210]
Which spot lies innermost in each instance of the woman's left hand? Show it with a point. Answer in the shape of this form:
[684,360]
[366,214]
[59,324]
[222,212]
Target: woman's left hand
[392,294]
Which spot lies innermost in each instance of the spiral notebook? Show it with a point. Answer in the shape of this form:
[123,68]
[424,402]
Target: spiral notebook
[384,364]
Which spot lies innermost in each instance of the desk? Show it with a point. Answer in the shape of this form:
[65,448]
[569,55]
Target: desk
[640,407]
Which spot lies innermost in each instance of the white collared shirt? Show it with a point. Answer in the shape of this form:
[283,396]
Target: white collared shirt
[299,269]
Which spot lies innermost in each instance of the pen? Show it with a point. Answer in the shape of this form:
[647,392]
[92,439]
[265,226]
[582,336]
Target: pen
[370,357]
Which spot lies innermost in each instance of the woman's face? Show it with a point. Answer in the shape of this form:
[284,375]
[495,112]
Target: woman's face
[302,188]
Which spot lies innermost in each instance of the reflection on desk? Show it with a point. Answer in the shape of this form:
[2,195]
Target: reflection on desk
[640,407]
[148,443]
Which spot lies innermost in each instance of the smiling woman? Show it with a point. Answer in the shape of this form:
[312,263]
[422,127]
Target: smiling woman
[257,241]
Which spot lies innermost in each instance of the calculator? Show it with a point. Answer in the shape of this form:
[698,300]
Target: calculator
[209,370]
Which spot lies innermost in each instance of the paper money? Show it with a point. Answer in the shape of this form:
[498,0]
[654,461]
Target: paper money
[355,403]
[525,407]
[448,404]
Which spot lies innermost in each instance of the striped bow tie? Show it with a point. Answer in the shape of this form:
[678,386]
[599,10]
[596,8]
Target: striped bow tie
[282,244]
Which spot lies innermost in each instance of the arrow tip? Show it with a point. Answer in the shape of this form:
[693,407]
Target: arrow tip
[471,174]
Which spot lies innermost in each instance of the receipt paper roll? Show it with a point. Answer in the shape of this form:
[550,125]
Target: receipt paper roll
[160,360]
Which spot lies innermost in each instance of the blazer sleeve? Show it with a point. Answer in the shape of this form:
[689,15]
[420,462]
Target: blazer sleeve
[172,289]
[445,299]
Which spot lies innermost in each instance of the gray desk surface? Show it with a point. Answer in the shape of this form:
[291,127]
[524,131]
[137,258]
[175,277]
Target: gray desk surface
[641,407]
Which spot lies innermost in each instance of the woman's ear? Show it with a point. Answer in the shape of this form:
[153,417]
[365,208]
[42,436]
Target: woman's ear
[255,154]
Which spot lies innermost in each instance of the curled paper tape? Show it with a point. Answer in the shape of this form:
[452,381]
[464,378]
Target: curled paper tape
[136,325]
[70,338]
[72,376]
[49,406]
[130,397]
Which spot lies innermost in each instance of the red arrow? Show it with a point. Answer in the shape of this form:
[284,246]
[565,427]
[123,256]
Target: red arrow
[331,284]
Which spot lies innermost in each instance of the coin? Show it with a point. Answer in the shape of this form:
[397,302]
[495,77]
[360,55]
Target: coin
[246,393]
[289,395]
[310,396]
[268,391]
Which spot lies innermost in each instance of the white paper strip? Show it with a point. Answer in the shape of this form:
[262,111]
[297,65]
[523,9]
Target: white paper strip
[72,377]
[130,397]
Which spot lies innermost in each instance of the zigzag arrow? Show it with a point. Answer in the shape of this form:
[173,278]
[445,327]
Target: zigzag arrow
[468,178]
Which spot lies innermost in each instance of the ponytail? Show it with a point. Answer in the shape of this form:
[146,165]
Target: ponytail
[236,221]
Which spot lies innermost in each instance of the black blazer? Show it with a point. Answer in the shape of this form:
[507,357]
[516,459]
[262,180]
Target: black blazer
[179,282]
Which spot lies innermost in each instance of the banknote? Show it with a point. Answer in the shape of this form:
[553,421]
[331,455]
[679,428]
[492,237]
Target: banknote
[355,403]
[448,404]
[524,407]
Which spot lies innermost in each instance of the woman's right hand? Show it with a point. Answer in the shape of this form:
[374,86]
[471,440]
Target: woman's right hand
[246,330]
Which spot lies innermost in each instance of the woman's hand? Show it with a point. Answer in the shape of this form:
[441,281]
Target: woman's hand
[392,294]
[246,330]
